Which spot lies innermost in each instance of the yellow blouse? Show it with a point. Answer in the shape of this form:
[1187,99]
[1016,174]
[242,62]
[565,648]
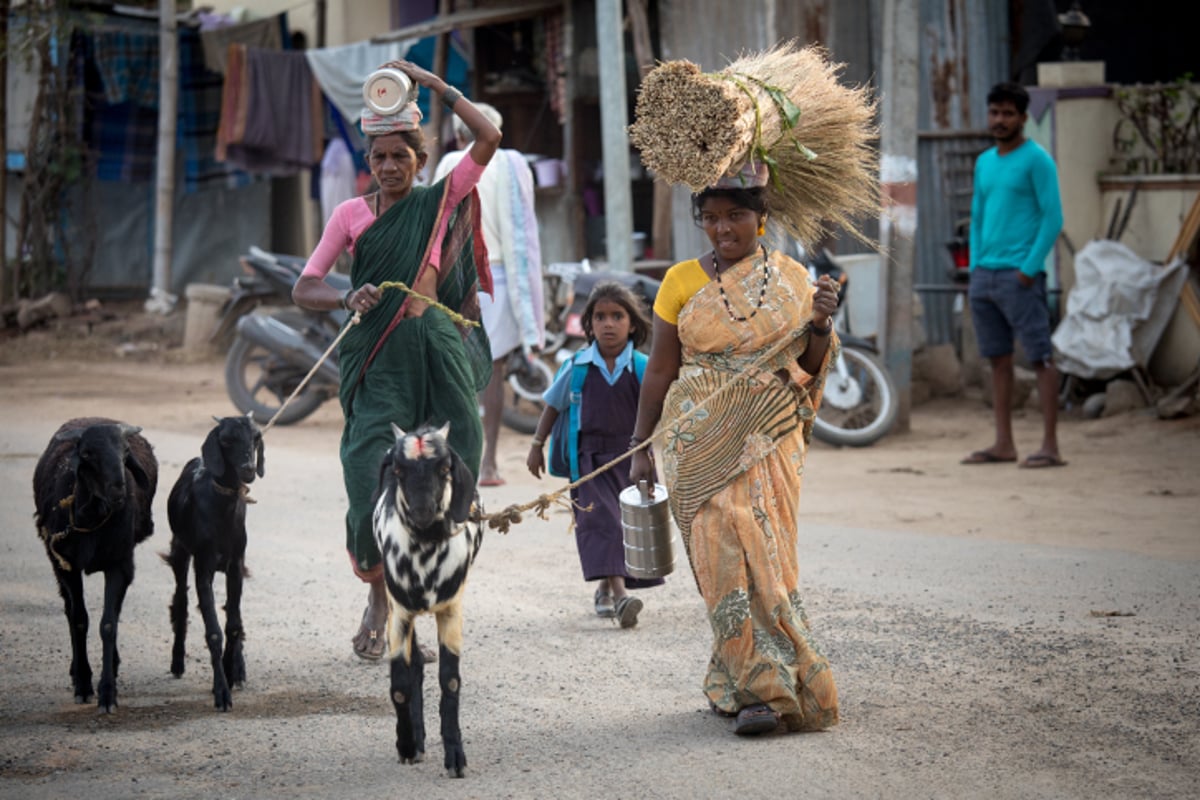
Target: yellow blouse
[678,286]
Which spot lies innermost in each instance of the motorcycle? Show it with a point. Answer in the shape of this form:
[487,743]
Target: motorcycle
[860,402]
[275,345]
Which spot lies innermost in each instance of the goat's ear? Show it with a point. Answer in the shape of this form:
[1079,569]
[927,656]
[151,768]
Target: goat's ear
[214,462]
[462,484]
[384,467]
[444,431]
[137,470]
[260,464]
[398,432]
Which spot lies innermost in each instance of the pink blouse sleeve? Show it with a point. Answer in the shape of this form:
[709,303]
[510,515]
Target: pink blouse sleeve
[462,180]
[336,237]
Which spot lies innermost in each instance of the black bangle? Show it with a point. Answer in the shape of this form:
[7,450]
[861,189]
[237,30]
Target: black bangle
[346,299]
[634,442]
[825,331]
[450,97]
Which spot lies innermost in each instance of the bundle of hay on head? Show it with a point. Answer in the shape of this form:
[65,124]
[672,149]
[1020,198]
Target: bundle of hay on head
[784,108]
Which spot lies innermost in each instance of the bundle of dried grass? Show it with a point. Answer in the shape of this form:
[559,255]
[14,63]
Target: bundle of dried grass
[785,108]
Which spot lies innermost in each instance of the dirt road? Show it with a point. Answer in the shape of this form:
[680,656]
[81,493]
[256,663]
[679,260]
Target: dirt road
[995,632]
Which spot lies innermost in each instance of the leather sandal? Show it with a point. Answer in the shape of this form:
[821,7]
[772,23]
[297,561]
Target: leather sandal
[755,719]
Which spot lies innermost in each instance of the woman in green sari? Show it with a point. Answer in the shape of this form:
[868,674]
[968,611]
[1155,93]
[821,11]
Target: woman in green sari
[406,362]
[749,320]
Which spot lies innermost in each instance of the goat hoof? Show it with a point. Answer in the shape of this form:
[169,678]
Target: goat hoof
[222,701]
[417,758]
[456,762]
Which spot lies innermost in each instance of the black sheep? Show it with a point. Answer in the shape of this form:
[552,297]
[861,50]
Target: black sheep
[207,511]
[93,488]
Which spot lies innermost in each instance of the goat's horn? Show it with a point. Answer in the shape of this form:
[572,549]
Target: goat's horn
[216,418]
[444,431]
[130,430]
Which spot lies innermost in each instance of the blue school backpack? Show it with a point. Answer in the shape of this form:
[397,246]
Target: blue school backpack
[564,436]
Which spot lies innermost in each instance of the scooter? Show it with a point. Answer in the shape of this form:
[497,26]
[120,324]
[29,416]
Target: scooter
[860,402]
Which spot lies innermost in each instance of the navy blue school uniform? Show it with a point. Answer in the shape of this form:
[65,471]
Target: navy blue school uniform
[607,413]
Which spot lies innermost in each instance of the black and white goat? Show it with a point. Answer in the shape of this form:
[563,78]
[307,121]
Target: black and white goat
[207,511]
[93,488]
[422,528]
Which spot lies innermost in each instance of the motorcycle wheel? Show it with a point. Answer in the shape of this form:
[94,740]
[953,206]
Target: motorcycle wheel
[258,383]
[861,408]
[523,393]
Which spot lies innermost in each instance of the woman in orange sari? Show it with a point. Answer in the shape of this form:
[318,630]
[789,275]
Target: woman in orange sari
[733,461]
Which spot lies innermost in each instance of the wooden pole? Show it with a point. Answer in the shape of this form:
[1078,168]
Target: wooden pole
[161,299]
[618,198]
[643,48]
[4,294]
[898,174]
[440,58]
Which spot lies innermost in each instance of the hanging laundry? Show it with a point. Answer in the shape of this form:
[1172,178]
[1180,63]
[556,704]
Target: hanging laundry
[199,119]
[127,61]
[339,177]
[270,112]
[264,34]
[341,71]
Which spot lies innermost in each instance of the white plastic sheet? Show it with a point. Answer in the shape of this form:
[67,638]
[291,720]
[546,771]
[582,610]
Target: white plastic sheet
[1116,312]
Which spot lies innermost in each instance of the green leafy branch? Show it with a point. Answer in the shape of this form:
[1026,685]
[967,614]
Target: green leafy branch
[789,117]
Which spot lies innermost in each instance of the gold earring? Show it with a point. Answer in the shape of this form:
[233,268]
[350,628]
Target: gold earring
[762,229]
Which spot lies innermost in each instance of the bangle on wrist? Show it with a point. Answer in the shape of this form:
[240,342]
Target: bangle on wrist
[450,97]
[634,441]
[824,330]
[536,442]
[346,298]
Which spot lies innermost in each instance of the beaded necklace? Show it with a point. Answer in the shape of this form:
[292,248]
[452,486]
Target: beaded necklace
[762,292]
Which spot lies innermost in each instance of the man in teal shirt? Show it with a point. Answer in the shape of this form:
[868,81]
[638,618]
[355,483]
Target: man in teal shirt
[1016,216]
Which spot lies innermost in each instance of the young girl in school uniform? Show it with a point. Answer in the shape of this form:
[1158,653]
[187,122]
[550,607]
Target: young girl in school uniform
[616,323]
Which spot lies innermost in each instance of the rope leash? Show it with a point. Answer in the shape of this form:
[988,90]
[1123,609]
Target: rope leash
[511,515]
[357,318]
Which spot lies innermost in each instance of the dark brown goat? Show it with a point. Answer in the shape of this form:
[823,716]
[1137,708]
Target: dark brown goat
[93,488]
[207,511]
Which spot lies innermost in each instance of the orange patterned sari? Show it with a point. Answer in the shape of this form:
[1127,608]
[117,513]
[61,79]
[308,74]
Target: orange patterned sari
[733,471]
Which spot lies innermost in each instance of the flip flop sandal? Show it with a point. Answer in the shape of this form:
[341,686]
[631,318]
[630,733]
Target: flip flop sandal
[604,605]
[368,644]
[755,719]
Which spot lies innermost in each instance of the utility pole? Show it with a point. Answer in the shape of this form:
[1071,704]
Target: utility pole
[4,12]
[898,175]
[618,198]
[161,299]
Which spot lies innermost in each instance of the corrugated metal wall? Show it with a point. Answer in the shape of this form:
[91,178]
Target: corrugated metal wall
[963,52]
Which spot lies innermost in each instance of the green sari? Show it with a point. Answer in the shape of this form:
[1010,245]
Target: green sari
[425,369]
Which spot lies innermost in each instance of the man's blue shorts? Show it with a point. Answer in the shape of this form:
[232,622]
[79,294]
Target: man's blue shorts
[1003,310]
